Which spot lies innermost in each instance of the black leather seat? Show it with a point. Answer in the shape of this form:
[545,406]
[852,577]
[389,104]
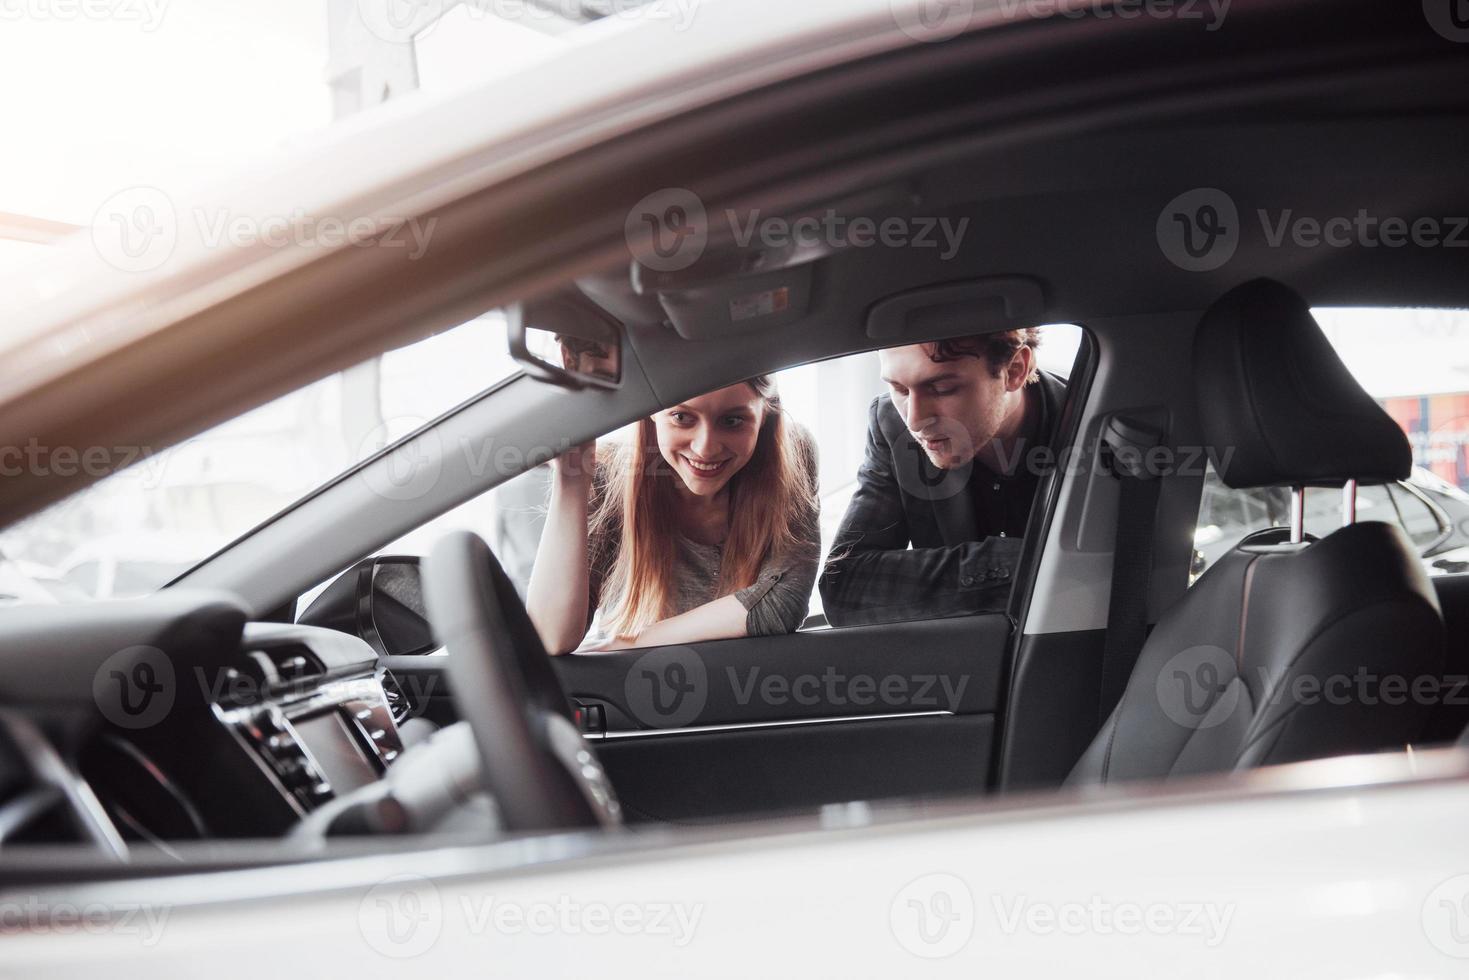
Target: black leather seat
[1282,652]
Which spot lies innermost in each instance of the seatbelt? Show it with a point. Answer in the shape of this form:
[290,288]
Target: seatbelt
[1124,445]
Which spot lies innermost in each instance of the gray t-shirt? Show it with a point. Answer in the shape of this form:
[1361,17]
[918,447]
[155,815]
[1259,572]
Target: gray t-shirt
[775,603]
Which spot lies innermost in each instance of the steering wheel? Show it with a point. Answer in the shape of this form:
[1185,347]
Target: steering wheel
[542,773]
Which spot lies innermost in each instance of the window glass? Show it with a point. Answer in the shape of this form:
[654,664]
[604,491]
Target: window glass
[1424,527]
[1426,392]
[140,527]
[919,540]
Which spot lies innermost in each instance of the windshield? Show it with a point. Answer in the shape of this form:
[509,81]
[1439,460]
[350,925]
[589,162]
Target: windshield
[137,529]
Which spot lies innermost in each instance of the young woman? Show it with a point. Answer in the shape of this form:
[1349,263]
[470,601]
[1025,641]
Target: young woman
[703,527]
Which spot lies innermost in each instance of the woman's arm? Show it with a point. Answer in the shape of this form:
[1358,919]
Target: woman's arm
[557,595]
[721,619]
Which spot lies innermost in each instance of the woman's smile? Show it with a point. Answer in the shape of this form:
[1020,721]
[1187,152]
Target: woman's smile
[705,469]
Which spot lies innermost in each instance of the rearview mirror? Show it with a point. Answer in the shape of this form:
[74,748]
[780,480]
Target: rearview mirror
[567,340]
[381,600]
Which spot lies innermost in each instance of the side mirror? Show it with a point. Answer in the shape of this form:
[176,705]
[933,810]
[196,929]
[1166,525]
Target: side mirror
[381,600]
[566,340]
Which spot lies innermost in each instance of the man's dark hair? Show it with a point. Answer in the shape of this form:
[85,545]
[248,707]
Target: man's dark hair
[579,346]
[996,348]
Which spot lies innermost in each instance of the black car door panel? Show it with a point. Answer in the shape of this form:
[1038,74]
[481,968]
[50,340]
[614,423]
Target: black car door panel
[778,723]
[798,767]
[951,665]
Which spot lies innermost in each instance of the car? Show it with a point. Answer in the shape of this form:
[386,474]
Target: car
[106,568]
[337,733]
[1430,510]
[22,581]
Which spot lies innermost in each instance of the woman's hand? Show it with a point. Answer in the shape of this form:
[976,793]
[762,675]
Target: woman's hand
[576,466]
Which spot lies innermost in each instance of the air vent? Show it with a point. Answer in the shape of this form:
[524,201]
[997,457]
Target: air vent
[294,662]
[398,702]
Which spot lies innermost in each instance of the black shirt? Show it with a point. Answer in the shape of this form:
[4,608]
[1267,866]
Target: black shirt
[1002,503]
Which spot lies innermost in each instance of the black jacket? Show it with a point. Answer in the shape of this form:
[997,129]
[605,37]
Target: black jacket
[954,566]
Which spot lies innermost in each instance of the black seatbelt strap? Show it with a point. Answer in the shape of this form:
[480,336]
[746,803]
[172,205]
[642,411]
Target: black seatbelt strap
[1125,445]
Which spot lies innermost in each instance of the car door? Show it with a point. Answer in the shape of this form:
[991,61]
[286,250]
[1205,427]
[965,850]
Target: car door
[789,722]
[785,722]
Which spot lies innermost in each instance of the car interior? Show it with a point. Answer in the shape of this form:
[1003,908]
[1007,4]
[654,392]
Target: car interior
[224,720]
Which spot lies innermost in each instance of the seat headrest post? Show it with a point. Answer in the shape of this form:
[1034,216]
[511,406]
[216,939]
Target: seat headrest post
[1349,503]
[1297,514]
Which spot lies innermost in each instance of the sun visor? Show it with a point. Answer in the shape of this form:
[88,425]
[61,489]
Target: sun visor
[740,270]
[748,304]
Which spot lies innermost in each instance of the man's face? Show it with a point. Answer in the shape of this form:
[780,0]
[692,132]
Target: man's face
[953,408]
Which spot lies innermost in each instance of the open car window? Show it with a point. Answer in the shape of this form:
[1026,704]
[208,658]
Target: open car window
[831,401]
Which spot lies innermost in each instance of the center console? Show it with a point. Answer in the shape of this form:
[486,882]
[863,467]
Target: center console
[312,732]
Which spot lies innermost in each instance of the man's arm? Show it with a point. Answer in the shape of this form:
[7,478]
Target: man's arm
[872,576]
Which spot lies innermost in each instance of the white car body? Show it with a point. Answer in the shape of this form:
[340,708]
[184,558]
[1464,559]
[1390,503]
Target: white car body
[1356,867]
[1306,870]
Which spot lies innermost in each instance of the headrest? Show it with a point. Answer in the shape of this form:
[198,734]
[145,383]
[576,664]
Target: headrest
[1277,405]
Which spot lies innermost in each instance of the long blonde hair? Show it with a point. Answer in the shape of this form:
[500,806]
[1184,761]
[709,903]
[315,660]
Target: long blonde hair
[772,506]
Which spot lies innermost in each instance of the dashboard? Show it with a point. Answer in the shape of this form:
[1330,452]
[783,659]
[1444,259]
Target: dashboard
[314,711]
[174,717]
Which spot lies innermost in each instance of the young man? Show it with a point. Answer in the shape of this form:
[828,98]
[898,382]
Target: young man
[950,470]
